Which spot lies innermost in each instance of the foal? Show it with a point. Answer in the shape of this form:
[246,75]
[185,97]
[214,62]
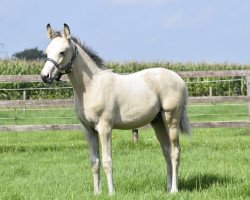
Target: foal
[105,100]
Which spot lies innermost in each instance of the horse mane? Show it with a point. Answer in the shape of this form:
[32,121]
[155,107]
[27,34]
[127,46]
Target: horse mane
[91,53]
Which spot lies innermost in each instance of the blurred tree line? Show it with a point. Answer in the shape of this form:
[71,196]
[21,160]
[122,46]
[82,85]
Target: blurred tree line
[30,54]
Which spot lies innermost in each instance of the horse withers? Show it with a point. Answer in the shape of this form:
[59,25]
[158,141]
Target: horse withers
[105,100]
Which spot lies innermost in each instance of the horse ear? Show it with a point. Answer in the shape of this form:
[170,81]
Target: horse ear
[66,32]
[50,31]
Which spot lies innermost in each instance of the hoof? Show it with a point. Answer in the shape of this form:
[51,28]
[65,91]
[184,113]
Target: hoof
[111,193]
[175,190]
[98,192]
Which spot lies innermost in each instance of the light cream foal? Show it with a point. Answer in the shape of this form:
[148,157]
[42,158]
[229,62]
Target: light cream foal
[105,100]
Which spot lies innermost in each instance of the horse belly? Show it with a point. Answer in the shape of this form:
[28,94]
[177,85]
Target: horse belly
[135,116]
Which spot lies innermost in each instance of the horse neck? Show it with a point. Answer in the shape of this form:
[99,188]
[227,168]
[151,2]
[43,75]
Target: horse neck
[83,72]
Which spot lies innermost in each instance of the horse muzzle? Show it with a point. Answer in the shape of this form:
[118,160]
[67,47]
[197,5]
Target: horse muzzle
[47,79]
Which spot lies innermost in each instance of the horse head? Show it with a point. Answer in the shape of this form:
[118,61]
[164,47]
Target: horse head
[61,54]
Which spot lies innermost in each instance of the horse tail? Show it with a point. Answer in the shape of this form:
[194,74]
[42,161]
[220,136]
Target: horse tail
[185,125]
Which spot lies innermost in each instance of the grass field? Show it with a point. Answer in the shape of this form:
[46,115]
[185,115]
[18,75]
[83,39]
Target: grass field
[55,165]
[212,112]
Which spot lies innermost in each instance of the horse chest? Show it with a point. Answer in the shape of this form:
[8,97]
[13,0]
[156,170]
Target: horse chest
[87,113]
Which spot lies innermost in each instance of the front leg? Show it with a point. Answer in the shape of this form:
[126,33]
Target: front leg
[93,142]
[105,134]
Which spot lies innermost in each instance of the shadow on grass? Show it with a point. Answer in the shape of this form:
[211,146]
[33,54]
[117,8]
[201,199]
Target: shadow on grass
[204,181]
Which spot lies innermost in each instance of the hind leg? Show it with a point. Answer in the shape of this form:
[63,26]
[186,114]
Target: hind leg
[171,121]
[162,135]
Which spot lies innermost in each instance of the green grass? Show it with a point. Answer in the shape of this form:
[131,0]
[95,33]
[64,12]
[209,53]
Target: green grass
[55,165]
[216,112]
[38,116]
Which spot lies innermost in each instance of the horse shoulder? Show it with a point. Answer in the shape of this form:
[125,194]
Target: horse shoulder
[98,100]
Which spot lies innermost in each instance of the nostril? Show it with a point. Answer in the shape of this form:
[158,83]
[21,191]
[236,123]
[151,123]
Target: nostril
[45,78]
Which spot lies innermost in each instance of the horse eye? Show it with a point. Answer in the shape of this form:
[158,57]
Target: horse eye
[62,53]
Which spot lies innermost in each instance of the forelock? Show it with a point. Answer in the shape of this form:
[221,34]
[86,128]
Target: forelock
[56,34]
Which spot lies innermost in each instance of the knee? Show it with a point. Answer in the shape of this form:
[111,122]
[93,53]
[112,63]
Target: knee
[95,165]
[107,166]
[174,134]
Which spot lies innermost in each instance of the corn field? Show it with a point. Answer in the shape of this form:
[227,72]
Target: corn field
[226,86]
